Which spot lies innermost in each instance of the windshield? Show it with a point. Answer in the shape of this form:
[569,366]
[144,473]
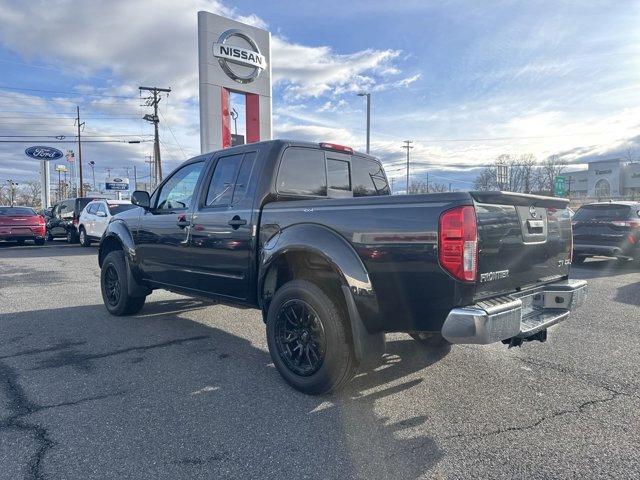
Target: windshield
[114,209]
[10,211]
[602,212]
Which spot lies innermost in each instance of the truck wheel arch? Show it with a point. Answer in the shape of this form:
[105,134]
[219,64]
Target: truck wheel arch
[319,254]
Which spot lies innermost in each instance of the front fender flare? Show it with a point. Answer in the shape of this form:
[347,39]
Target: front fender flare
[117,230]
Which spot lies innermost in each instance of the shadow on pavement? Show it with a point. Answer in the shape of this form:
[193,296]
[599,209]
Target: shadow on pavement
[160,395]
[57,248]
[603,267]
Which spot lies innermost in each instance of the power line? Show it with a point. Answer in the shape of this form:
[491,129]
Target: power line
[174,137]
[62,92]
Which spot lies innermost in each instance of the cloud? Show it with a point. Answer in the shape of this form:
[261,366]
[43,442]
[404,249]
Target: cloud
[313,71]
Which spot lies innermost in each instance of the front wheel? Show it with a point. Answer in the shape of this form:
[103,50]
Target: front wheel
[39,241]
[114,286]
[84,239]
[49,237]
[307,334]
[71,237]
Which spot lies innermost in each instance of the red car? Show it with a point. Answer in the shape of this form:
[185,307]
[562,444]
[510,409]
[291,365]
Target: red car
[19,224]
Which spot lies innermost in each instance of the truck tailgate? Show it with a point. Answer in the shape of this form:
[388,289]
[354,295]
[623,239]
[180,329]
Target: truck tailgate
[523,241]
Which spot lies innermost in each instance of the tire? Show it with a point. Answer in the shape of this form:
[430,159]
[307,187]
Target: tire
[20,242]
[434,341]
[325,337]
[49,237]
[84,239]
[113,286]
[71,237]
[578,259]
[39,241]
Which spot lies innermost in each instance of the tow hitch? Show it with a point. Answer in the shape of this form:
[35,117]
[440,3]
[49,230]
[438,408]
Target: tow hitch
[540,336]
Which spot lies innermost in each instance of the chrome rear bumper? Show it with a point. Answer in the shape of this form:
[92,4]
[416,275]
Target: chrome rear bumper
[518,316]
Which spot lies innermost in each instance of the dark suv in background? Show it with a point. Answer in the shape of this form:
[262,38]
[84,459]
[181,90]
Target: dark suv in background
[610,229]
[64,218]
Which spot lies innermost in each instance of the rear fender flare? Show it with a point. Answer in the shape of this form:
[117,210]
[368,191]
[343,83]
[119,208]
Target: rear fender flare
[343,259]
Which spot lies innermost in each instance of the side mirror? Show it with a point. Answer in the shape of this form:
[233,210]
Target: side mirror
[141,199]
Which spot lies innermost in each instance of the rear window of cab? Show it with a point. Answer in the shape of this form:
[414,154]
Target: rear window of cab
[312,172]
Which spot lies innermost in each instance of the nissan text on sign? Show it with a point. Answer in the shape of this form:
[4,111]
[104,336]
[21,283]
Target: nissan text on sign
[233,57]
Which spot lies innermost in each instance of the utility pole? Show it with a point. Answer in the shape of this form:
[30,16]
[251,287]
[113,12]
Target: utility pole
[407,145]
[393,187]
[153,102]
[135,178]
[80,150]
[368,95]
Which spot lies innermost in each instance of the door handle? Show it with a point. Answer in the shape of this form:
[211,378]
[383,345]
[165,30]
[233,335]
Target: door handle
[236,221]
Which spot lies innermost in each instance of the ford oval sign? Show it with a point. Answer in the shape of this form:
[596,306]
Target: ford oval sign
[43,153]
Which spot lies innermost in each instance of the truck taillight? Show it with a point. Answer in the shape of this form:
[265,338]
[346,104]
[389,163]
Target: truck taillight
[458,243]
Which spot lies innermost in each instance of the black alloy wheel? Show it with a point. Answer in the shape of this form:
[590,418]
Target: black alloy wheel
[111,285]
[114,285]
[300,337]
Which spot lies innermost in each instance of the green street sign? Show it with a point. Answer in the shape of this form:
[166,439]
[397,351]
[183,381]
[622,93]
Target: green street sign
[559,186]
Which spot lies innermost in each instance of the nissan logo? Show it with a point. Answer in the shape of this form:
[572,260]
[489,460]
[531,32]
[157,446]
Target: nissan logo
[230,56]
[532,211]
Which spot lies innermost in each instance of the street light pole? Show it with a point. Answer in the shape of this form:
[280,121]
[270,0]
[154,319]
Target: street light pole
[92,164]
[407,145]
[368,95]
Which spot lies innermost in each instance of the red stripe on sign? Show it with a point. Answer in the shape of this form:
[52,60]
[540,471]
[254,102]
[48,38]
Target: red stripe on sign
[253,117]
[226,118]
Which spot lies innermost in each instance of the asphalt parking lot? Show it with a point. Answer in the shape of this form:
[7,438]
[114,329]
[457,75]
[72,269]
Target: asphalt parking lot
[187,390]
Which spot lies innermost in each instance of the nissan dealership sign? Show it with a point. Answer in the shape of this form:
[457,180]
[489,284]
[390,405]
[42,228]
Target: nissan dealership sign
[233,58]
[230,57]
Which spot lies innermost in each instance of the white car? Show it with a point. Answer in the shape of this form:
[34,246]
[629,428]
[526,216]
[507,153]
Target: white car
[96,216]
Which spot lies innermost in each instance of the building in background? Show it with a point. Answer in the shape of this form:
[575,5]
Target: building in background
[615,178]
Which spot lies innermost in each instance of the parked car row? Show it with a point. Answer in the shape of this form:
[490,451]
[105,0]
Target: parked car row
[610,229]
[82,219]
[20,224]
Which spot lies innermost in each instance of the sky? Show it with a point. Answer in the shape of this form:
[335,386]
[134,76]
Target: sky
[466,81]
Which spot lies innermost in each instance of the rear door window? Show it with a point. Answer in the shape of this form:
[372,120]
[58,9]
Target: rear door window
[302,172]
[91,209]
[222,181]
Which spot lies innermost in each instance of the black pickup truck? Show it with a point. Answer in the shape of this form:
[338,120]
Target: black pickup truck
[310,235]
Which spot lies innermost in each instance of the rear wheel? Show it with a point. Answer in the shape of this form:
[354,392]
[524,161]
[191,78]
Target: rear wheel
[39,241]
[84,239]
[49,237]
[307,334]
[114,286]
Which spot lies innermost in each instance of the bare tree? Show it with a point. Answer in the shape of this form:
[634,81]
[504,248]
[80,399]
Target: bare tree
[486,180]
[29,193]
[4,194]
[422,187]
[549,170]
